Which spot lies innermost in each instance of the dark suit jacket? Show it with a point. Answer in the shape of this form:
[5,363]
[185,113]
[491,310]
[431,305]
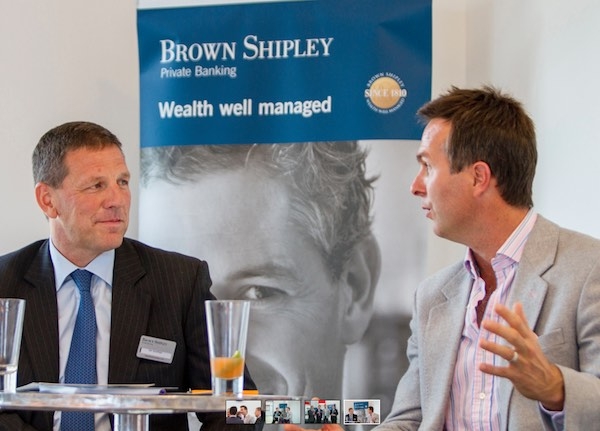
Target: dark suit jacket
[155,293]
[353,418]
[234,420]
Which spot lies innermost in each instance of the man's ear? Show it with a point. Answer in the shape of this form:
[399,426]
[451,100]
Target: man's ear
[44,198]
[359,280]
[482,177]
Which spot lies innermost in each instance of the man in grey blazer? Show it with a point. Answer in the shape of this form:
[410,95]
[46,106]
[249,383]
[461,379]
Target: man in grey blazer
[82,186]
[509,339]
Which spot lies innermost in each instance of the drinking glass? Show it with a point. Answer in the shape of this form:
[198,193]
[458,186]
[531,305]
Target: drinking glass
[12,311]
[227,323]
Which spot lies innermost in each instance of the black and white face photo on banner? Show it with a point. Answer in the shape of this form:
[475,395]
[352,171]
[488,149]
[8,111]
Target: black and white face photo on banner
[326,241]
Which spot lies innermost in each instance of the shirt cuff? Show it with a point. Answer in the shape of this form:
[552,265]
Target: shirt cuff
[557,418]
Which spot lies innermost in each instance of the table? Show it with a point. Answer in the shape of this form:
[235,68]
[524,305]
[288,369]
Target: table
[131,412]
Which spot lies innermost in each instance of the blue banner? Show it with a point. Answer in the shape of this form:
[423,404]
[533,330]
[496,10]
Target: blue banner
[298,71]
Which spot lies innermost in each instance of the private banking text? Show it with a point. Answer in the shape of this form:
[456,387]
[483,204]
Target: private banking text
[199,72]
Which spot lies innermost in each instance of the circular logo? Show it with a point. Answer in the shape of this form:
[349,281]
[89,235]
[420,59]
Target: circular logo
[385,93]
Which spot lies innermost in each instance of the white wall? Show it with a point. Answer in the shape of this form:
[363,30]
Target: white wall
[61,60]
[72,60]
[545,52]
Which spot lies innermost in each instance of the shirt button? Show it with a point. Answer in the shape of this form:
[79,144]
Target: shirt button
[481,396]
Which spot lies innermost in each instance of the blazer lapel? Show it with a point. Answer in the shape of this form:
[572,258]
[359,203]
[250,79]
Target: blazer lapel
[40,329]
[539,255]
[129,316]
[529,288]
[442,339]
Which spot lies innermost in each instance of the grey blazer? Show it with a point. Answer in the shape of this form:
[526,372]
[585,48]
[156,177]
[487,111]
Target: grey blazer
[155,293]
[558,283]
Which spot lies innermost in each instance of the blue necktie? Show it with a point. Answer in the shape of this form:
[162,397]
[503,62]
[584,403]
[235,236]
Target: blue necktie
[81,365]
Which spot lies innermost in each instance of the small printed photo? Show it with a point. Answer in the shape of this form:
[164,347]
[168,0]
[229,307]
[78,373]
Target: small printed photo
[283,412]
[321,411]
[362,411]
[244,412]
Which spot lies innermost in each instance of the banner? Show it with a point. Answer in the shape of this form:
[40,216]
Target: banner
[276,146]
[324,70]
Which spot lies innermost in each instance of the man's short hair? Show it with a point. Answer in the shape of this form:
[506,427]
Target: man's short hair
[492,127]
[49,154]
[330,194]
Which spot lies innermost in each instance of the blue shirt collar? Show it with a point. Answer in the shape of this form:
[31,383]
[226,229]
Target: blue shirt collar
[102,266]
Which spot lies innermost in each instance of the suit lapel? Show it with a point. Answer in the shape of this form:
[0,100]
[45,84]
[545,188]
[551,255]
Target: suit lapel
[129,316]
[40,329]
[443,334]
[539,255]
[529,288]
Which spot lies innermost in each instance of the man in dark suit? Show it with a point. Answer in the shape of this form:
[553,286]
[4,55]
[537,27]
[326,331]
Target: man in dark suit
[233,417]
[82,186]
[259,414]
[351,417]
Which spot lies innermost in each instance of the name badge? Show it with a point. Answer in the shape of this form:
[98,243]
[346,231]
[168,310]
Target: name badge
[156,349]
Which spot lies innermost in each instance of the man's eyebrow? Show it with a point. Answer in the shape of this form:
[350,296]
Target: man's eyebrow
[124,174]
[268,269]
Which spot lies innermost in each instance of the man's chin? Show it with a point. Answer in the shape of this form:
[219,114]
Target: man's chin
[277,384]
[273,385]
[269,380]
[113,240]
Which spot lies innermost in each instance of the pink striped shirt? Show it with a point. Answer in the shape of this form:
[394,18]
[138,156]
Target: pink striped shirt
[473,401]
